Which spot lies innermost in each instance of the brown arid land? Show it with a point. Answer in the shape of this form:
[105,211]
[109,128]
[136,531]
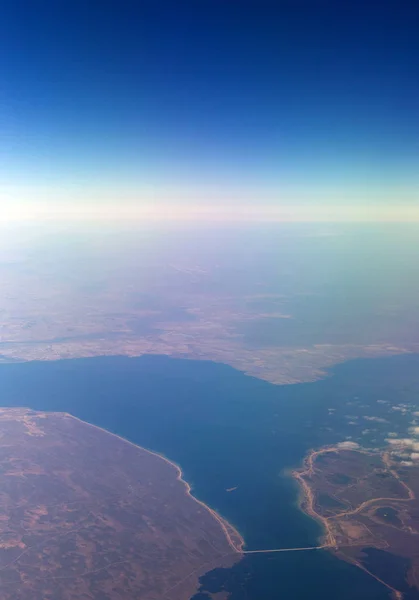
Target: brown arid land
[49,330]
[86,514]
[101,299]
[367,504]
[279,365]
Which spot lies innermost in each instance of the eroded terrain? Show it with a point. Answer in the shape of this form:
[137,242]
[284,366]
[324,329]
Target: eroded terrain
[85,514]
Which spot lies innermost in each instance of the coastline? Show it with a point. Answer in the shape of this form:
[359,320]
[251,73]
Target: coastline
[306,503]
[230,532]
[234,539]
[306,497]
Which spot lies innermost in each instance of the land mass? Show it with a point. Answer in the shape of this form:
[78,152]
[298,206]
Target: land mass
[86,514]
[367,503]
[238,310]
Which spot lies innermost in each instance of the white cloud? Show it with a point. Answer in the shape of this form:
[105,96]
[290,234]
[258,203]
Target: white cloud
[404,443]
[399,441]
[375,419]
[348,445]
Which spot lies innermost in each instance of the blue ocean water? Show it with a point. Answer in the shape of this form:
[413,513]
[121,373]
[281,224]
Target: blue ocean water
[228,430]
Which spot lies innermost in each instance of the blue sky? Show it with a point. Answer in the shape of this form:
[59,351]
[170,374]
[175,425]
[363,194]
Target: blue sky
[296,101]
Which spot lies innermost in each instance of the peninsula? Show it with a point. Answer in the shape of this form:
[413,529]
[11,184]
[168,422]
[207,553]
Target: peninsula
[87,514]
[367,504]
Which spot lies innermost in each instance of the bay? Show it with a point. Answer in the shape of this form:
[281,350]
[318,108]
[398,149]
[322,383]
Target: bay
[237,439]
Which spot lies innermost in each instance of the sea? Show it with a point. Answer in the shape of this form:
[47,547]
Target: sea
[237,439]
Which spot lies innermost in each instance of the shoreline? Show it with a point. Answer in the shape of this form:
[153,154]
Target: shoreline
[224,524]
[234,539]
[306,504]
[325,358]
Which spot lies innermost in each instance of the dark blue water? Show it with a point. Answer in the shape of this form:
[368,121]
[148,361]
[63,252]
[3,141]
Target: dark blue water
[229,430]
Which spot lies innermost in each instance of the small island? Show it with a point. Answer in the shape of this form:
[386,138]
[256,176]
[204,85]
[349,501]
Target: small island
[86,514]
[366,502]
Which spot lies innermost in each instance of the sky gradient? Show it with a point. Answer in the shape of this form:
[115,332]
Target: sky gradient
[298,110]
